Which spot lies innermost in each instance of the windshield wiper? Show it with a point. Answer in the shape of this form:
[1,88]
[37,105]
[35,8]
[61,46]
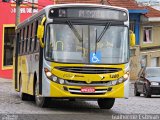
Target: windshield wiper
[77,34]
[101,35]
[96,42]
[103,32]
[74,31]
[82,42]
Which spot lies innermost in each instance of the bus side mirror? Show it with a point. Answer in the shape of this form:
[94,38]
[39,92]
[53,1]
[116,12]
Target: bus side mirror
[40,32]
[132,39]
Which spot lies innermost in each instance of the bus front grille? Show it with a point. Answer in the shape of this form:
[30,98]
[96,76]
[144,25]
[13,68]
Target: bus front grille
[84,83]
[89,70]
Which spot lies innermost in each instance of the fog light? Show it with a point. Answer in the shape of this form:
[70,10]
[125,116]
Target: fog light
[61,81]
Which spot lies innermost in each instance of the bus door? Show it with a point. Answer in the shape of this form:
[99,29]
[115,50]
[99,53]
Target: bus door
[16,60]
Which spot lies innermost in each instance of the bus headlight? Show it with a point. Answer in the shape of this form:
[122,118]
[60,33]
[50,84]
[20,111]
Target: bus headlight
[114,82]
[48,74]
[119,81]
[126,75]
[61,81]
[53,78]
[111,83]
[124,78]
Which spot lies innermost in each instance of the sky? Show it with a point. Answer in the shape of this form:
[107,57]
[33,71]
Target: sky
[148,0]
[153,3]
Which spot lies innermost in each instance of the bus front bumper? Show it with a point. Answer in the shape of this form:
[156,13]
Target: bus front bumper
[64,91]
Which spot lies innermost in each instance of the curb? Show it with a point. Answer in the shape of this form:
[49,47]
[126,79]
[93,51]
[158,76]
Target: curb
[5,80]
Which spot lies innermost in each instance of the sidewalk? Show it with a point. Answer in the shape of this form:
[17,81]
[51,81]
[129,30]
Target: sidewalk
[5,80]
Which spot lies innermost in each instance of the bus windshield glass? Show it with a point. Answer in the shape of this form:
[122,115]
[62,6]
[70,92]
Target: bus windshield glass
[87,44]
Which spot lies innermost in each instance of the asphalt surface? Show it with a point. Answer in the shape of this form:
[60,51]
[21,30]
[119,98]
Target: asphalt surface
[12,108]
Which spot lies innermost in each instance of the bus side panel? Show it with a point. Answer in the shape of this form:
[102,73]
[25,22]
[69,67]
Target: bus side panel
[33,65]
[24,73]
[30,74]
[45,81]
[29,67]
[126,89]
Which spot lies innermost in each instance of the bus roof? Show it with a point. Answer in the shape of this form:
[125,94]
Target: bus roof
[46,9]
[85,5]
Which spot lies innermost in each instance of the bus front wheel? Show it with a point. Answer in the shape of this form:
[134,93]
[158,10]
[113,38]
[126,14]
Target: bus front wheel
[106,103]
[40,101]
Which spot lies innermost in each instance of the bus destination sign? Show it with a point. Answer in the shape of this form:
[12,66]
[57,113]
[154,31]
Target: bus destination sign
[89,13]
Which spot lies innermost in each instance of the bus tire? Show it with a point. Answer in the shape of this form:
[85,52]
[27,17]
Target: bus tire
[40,101]
[147,92]
[22,95]
[106,103]
[136,93]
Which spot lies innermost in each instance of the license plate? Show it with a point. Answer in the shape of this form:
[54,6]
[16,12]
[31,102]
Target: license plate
[87,89]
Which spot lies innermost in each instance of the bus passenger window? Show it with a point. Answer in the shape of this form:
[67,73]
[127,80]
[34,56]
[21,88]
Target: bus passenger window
[30,38]
[18,38]
[23,40]
[26,39]
[35,36]
[20,42]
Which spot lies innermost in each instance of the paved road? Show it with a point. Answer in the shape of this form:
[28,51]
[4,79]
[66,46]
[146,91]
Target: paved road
[12,107]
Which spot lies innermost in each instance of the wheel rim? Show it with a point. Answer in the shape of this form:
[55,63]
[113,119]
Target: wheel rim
[20,89]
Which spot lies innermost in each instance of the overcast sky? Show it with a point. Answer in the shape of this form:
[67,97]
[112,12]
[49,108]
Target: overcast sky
[148,0]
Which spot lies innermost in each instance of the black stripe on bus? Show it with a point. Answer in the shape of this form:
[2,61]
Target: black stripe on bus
[40,69]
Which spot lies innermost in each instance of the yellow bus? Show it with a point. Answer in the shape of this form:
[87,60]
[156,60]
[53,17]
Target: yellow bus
[73,51]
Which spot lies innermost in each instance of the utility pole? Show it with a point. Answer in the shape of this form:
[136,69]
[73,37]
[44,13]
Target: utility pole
[32,7]
[102,2]
[18,12]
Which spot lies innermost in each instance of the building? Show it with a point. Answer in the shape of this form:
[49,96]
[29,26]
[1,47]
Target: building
[144,22]
[135,13]
[7,29]
[149,2]
[150,38]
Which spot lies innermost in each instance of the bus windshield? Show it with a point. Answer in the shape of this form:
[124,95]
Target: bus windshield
[70,43]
